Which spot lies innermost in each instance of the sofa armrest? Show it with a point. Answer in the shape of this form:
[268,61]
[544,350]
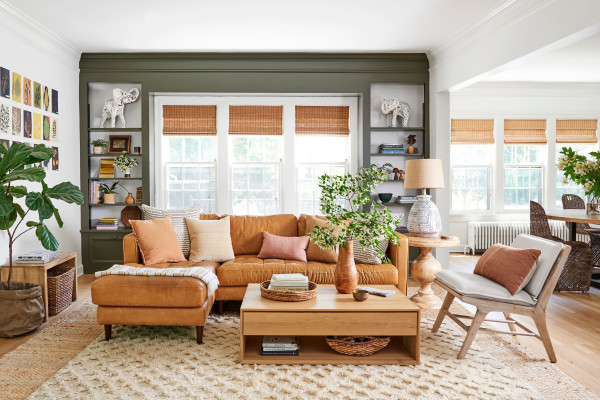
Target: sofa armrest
[131,251]
[398,254]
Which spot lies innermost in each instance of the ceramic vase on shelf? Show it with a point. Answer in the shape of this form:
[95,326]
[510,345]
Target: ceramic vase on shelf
[127,173]
[109,198]
[129,199]
[97,149]
[346,274]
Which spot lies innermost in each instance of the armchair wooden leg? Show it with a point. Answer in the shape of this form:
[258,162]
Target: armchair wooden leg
[199,333]
[107,332]
[511,326]
[477,321]
[540,323]
[445,307]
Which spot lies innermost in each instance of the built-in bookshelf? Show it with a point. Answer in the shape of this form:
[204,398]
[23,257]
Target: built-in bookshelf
[103,248]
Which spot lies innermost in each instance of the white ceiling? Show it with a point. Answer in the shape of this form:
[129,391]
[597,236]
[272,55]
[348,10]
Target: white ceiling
[578,62]
[259,25]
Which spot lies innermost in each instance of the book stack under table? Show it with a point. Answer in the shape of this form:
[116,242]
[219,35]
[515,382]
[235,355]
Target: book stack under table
[280,346]
[289,282]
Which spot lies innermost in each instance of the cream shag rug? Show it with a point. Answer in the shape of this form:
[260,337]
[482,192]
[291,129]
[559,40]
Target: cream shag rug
[165,362]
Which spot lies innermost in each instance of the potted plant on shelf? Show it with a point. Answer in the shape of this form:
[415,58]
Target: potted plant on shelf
[21,303]
[98,146]
[585,172]
[125,163]
[109,192]
[342,198]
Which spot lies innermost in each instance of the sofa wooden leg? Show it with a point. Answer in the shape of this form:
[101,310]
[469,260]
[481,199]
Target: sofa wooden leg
[107,332]
[220,306]
[199,333]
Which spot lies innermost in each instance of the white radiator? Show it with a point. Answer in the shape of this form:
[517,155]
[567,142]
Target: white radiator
[483,234]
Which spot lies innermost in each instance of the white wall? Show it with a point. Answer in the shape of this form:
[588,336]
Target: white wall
[501,101]
[36,54]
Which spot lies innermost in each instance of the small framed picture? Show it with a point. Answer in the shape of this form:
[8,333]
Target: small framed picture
[137,150]
[118,144]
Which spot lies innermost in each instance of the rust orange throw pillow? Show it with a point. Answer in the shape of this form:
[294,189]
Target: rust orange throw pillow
[510,267]
[158,241]
[313,251]
[283,247]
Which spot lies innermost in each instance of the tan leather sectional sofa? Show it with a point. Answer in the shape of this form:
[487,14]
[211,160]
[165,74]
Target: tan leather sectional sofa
[129,300]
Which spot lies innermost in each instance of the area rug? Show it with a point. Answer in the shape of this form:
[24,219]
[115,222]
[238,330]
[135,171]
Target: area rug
[165,362]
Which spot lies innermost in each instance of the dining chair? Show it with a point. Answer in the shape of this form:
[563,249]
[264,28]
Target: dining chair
[489,296]
[577,274]
[574,202]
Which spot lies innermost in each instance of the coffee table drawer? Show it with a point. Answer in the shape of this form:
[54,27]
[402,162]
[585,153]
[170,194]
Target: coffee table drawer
[330,323]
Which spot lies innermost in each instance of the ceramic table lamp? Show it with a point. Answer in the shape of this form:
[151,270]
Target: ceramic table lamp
[424,217]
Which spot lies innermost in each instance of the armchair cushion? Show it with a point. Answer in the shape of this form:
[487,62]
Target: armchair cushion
[550,251]
[480,287]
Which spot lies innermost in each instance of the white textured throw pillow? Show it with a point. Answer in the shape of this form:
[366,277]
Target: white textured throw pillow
[177,217]
[211,240]
[366,255]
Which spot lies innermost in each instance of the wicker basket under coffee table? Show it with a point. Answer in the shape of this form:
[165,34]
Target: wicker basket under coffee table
[38,274]
[330,314]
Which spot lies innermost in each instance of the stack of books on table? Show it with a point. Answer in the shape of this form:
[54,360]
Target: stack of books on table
[289,282]
[107,224]
[280,346]
[391,149]
[37,257]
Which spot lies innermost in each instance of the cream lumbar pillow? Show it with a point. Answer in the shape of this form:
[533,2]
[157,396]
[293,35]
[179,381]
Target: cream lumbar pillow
[210,240]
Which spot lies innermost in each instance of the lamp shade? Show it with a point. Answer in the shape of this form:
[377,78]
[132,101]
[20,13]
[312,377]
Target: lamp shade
[424,174]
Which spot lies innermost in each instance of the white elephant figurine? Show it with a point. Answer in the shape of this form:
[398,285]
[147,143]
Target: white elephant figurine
[114,108]
[395,108]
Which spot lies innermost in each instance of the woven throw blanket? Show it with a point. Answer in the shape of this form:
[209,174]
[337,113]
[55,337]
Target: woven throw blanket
[204,274]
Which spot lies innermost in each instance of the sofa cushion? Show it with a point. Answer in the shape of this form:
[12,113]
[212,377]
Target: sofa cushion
[151,291]
[158,241]
[211,240]
[480,287]
[246,269]
[247,231]
[313,251]
[381,274]
[283,247]
[303,219]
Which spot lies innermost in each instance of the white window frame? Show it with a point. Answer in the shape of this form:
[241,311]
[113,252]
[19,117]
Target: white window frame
[489,168]
[288,175]
[541,165]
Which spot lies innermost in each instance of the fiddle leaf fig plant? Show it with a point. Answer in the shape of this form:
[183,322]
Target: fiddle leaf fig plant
[342,197]
[18,202]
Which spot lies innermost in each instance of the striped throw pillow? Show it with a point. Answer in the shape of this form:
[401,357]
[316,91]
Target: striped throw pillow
[367,255]
[177,216]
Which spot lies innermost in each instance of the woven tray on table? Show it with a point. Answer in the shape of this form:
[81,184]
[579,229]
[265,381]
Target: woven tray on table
[60,289]
[345,345]
[279,295]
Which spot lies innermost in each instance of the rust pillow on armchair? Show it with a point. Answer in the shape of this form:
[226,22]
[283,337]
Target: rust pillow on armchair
[508,266]
[158,241]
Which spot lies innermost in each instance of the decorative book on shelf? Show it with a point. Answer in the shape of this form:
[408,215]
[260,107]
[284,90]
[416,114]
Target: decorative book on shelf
[95,192]
[107,168]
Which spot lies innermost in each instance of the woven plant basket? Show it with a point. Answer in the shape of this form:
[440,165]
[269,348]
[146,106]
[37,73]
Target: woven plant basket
[279,295]
[345,345]
[60,289]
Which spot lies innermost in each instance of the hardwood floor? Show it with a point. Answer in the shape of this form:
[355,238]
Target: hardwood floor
[573,322]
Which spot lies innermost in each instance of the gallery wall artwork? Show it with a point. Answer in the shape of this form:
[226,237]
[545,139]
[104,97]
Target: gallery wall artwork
[29,110]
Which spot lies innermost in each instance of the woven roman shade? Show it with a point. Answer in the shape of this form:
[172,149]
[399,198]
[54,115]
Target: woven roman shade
[190,120]
[472,131]
[256,120]
[322,120]
[525,131]
[576,130]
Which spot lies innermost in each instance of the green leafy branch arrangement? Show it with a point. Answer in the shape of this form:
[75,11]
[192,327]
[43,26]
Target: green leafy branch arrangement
[342,197]
[581,170]
[13,168]
[124,162]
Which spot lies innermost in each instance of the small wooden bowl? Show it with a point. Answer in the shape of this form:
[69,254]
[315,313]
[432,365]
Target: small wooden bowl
[360,295]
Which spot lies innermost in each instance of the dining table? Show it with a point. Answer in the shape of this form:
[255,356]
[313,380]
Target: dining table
[572,218]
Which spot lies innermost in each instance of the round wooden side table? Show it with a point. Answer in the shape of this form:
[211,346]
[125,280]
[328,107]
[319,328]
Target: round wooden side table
[425,267]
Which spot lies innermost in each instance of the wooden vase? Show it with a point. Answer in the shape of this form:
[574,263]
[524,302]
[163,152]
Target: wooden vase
[346,275]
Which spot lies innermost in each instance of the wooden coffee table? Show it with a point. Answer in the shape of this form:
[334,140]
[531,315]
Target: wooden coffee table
[330,314]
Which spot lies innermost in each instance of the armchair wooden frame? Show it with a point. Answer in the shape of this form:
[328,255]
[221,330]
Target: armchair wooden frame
[536,312]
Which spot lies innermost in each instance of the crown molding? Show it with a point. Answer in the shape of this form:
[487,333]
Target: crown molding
[530,89]
[36,35]
[501,18]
